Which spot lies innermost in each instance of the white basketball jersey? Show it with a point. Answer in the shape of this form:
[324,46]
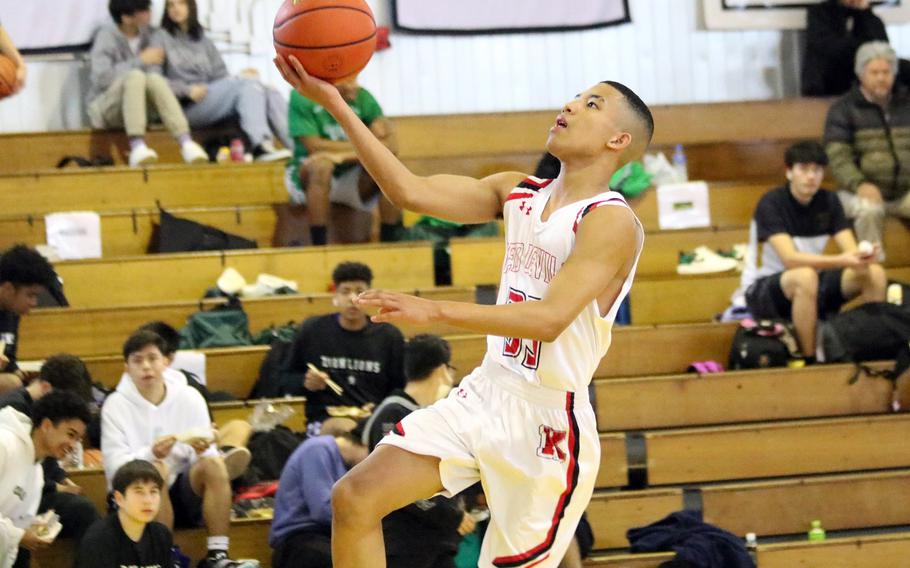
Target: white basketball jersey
[535,251]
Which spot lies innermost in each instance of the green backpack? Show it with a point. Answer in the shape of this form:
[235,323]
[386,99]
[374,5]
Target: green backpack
[225,325]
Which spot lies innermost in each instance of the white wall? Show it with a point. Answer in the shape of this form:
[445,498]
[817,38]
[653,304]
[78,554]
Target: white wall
[662,55]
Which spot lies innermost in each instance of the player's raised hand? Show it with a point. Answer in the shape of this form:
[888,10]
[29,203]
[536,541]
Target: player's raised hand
[317,90]
[394,307]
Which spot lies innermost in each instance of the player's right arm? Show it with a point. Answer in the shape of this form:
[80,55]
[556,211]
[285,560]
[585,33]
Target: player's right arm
[456,198]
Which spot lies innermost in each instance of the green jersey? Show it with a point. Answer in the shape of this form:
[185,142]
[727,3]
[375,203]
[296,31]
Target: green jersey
[306,118]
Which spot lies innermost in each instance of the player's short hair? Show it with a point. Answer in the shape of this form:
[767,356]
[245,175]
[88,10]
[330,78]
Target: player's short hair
[141,339]
[423,354]
[135,471]
[638,106]
[21,266]
[806,152]
[57,406]
[194,28]
[167,332]
[352,271]
[67,372]
[120,8]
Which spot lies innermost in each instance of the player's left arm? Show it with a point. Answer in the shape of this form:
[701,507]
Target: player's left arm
[605,247]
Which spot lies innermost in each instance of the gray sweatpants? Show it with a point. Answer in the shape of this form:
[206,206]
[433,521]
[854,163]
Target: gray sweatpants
[230,96]
[869,218]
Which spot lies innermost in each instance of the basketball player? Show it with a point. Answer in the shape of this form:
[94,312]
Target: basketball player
[521,423]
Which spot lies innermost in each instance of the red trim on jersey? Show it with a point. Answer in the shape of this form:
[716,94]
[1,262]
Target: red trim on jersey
[538,562]
[534,183]
[543,548]
[591,207]
[515,195]
[398,429]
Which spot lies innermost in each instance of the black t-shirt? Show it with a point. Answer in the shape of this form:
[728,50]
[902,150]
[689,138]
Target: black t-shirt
[9,333]
[779,212]
[366,364]
[105,545]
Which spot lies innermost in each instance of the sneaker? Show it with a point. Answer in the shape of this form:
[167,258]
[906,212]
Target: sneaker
[142,156]
[236,460]
[266,152]
[193,153]
[704,261]
[223,561]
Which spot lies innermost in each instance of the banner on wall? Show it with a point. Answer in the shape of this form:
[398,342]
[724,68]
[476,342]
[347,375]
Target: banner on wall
[506,16]
[783,14]
[41,26]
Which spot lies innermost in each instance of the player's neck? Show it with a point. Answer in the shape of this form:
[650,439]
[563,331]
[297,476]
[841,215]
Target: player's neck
[581,179]
[132,527]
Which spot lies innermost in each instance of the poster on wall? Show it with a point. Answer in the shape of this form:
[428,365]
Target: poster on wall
[506,16]
[783,14]
[47,26]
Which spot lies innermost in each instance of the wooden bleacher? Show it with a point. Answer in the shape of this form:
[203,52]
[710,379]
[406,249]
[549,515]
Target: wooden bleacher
[723,140]
[186,276]
[101,330]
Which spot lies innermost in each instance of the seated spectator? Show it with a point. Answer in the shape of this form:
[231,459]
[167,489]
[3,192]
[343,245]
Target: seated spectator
[198,76]
[127,88]
[23,275]
[58,422]
[794,278]
[301,533]
[59,373]
[8,48]
[870,158]
[130,537]
[834,31]
[425,534]
[325,168]
[363,359]
[143,418]
[234,435]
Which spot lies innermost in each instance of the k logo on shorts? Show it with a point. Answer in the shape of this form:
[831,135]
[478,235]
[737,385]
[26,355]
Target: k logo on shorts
[550,441]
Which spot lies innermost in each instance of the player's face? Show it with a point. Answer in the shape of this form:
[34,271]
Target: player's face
[586,123]
[878,78]
[805,180]
[146,367]
[140,502]
[178,11]
[60,438]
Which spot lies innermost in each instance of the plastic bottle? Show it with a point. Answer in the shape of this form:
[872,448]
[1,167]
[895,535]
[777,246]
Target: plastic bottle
[752,545]
[224,155]
[680,163]
[895,294]
[816,532]
[237,151]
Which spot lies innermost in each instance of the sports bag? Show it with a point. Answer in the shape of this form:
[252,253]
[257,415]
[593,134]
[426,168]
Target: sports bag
[760,344]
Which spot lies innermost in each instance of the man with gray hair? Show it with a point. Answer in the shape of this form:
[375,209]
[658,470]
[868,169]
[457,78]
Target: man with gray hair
[867,138]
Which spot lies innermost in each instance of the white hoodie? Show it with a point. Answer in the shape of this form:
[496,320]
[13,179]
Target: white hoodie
[130,425]
[21,482]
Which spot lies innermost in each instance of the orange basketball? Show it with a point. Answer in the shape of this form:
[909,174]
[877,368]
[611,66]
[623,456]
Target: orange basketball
[333,39]
[7,76]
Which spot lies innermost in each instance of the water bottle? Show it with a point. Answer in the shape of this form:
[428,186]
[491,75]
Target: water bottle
[679,163]
[895,294]
[752,545]
[816,532]
[237,150]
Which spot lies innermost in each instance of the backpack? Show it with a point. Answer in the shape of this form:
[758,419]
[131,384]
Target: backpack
[275,379]
[225,325]
[174,234]
[870,332]
[761,344]
[270,451]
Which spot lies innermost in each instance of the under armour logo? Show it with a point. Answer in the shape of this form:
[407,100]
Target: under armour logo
[550,440]
[526,207]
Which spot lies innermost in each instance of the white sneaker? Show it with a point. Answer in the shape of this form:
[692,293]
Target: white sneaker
[142,156]
[193,153]
[271,154]
[706,261]
[236,461]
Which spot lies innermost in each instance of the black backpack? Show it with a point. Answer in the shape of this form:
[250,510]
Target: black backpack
[175,234]
[275,379]
[870,332]
[764,343]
